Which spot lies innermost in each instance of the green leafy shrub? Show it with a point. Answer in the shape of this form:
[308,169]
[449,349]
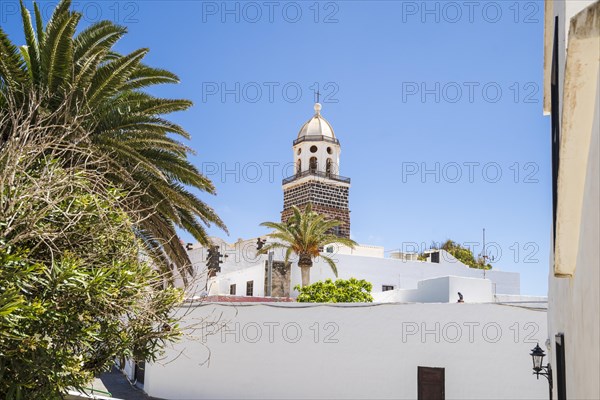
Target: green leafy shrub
[77,287]
[340,291]
[63,323]
[465,255]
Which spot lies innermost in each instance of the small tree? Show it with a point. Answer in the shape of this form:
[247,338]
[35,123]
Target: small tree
[77,289]
[465,255]
[340,291]
[305,233]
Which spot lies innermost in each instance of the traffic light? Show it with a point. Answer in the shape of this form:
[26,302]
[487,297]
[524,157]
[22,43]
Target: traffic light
[213,261]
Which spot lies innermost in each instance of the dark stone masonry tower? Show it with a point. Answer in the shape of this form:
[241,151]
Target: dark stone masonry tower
[317,160]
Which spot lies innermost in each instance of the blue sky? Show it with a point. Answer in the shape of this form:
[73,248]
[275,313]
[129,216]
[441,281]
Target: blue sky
[431,102]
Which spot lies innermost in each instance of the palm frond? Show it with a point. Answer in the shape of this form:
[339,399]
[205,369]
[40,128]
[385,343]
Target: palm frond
[103,88]
[108,78]
[12,73]
[331,264]
[145,76]
[90,48]
[39,25]
[124,151]
[33,50]
[57,49]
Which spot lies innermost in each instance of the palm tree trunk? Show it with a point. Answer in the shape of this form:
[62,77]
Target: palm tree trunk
[305,263]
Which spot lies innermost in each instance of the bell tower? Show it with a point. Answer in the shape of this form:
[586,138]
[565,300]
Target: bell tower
[316,180]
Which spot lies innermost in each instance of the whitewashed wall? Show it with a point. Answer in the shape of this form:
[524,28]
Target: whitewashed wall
[574,301]
[362,250]
[406,274]
[441,290]
[359,352]
[129,369]
[379,271]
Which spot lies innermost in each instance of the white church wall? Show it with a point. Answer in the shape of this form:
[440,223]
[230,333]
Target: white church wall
[321,154]
[291,351]
[255,274]
[359,250]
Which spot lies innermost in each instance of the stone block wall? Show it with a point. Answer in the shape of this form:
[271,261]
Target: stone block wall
[281,279]
[317,192]
[326,198]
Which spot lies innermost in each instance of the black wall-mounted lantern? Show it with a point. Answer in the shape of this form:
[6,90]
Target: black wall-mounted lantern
[537,355]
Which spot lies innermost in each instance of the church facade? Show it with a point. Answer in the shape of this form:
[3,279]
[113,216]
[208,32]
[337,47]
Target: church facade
[316,180]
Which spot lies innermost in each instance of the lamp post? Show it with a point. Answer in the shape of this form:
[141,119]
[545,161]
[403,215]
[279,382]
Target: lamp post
[537,356]
[484,255]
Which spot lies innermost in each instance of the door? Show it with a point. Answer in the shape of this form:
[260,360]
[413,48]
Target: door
[140,367]
[431,383]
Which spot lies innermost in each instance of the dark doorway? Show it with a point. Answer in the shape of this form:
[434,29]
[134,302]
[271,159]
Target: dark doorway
[561,380]
[280,279]
[140,367]
[431,383]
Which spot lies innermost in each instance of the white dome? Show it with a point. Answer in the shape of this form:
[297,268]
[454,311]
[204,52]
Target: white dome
[317,126]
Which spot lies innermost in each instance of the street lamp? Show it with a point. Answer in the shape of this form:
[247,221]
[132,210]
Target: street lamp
[537,356]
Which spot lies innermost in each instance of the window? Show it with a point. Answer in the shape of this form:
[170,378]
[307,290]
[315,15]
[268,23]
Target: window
[328,166]
[313,164]
[385,288]
[299,151]
[232,289]
[313,149]
[329,151]
[329,249]
[299,166]
[430,383]
[250,288]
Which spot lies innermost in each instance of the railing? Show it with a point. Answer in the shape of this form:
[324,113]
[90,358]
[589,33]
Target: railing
[93,391]
[316,173]
[316,138]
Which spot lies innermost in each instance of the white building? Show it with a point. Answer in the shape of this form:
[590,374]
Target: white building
[572,97]
[351,351]
[316,152]
[242,268]
[414,340]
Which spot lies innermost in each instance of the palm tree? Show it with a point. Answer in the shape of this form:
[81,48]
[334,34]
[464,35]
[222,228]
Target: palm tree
[304,234]
[124,123]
